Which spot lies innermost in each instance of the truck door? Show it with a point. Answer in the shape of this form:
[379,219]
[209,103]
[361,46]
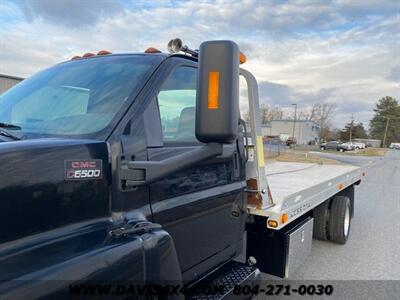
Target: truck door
[202,207]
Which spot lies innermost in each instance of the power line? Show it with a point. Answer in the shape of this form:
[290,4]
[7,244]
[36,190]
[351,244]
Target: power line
[386,129]
[351,127]
[388,119]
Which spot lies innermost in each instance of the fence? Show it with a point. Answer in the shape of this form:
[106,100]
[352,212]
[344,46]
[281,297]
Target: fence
[272,150]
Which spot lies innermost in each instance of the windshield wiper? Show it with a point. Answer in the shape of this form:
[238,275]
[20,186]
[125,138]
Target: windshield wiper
[8,133]
[9,125]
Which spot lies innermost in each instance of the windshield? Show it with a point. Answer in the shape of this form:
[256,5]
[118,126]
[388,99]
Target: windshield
[75,98]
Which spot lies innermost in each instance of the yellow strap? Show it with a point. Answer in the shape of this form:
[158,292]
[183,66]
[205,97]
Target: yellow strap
[260,151]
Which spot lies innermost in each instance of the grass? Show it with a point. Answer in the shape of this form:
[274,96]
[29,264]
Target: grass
[304,157]
[368,152]
[361,152]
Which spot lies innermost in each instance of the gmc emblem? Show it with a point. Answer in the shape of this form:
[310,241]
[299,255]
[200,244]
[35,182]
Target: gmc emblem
[83,169]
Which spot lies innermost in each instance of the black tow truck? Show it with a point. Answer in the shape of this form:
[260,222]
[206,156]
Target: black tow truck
[137,170]
[127,168]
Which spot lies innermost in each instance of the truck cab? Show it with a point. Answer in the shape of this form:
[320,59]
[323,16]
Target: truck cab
[80,143]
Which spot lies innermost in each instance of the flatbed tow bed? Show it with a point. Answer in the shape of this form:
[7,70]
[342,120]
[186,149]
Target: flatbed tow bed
[289,204]
[283,192]
[302,203]
[297,188]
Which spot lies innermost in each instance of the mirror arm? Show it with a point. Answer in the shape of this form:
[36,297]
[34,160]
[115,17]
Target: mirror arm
[136,173]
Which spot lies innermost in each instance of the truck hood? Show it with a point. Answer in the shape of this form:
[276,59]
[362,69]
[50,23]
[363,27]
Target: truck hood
[38,187]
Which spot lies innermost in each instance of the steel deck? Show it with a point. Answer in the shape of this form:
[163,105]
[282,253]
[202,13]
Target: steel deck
[296,188]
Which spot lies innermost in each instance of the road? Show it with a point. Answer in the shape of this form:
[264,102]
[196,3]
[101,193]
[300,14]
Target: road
[373,249]
[349,159]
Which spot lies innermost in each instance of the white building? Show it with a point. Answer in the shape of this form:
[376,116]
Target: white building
[7,81]
[304,131]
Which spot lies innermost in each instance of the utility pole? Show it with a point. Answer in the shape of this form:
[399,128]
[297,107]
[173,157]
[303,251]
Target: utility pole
[294,123]
[351,127]
[386,130]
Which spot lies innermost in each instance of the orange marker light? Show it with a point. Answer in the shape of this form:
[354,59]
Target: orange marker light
[88,54]
[152,50]
[284,218]
[213,90]
[272,223]
[242,58]
[103,52]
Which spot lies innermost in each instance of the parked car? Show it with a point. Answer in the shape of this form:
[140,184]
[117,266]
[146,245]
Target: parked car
[349,146]
[332,145]
[291,141]
[359,145]
[395,146]
[336,145]
[274,140]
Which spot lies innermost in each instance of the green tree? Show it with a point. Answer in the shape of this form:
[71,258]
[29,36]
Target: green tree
[357,131]
[387,118]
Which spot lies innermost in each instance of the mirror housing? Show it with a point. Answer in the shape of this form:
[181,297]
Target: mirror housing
[217,109]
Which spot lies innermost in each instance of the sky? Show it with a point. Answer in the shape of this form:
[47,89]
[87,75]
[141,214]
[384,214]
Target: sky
[305,52]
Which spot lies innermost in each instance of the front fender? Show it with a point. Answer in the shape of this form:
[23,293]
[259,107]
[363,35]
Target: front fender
[132,259]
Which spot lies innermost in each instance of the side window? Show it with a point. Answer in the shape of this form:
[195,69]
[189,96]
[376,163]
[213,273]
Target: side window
[177,105]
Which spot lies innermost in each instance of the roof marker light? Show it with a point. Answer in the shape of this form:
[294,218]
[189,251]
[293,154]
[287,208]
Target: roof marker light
[242,58]
[152,50]
[103,52]
[88,54]
[76,57]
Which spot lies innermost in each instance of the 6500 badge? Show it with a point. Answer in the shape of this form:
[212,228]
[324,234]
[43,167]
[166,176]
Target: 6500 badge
[76,169]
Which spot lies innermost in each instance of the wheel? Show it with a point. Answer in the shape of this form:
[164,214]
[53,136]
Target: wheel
[339,220]
[321,218]
[341,150]
[322,148]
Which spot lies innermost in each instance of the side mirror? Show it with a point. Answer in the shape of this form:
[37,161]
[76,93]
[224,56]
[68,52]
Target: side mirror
[217,109]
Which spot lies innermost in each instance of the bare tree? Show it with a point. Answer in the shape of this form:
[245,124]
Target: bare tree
[325,113]
[267,114]
[310,113]
[322,114]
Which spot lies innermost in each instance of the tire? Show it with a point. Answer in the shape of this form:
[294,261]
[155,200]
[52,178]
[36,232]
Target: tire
[339,220]
[341,150]
[322,148]
[321,218]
